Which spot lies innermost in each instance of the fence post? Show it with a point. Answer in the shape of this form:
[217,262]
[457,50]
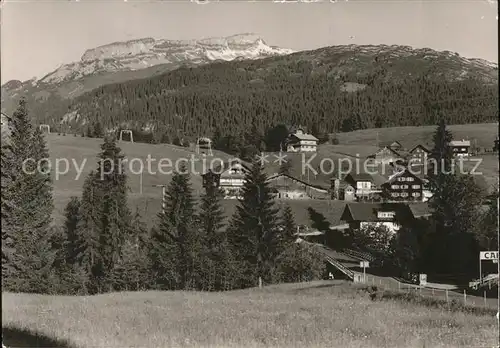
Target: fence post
[399,285]
[485,304]
[446,295]
[465,298]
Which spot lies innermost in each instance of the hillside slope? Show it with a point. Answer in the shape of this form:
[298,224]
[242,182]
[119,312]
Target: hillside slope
[315,314]
[129,60]
[335,88]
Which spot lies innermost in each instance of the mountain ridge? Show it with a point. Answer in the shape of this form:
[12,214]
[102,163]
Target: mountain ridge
[345,68]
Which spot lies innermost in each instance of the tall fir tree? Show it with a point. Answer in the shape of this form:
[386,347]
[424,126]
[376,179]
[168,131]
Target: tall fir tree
[28,203]
[216,256]
[441,157]
[72,218]
[175,243]
[131,273]
[114,220]
[452,242]
[289,227]
[255,236]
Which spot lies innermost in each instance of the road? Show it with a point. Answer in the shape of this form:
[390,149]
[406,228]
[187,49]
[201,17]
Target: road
[352,263]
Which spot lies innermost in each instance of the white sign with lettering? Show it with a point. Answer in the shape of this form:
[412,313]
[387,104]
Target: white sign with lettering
[488,255]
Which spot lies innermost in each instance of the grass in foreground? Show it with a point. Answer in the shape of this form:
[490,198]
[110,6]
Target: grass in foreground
[317,314]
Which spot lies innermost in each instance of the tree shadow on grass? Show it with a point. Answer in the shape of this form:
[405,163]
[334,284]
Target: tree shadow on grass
[15,337]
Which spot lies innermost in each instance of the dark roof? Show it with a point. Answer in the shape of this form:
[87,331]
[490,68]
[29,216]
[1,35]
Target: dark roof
[383,148]
[276,176]
[420,209]
[303,136]
[390,144]
[330,209]
[360,176]
[227,164]
[420,146]
[393,177]
[367,212]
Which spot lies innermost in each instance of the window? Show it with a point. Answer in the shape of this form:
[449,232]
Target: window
[404,187]
[415,187]
[409,178]
[395,187]
[404,194]
[402,179]
[385,214]
[395,194]
[416,194]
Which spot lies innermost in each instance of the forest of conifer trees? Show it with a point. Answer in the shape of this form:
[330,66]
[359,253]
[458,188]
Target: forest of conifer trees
[104,247]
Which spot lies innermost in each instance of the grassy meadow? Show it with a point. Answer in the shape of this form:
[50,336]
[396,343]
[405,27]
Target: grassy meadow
[316,314]
[483,133]
[148,198]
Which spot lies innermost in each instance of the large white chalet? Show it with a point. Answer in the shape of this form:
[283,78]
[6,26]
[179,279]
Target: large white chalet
[301,142]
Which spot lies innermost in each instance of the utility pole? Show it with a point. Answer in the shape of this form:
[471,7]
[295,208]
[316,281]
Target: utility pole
[164,193]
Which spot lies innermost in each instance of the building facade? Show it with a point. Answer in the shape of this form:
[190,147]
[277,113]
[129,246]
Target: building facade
[302,142]
[403,187]
[460,148]
[229,178]
[418,155]
[287,187]
[385,155]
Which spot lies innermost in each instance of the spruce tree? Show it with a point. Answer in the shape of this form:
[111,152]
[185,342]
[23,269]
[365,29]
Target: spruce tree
[215,255]
[255,235]
[110,184]
[289,228]
[174,243]
[28,204]
[452,243]
[440,159]
[131,273]
[72,218]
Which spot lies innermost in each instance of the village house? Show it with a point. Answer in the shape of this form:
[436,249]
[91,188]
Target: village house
[386,155]
[287,187]
[301,142]
[418,155]
[341,190]
[393,145]
[389,215]
[403,186]
[364,185]
[460,148]
[229,178]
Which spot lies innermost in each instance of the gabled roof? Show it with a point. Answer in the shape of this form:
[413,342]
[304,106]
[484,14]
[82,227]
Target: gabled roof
[421,147]
[277,176]
[391,144]
[219,169]
[304,136]
[367,212]
[360,177]
[460,143]
[420,209]
[385,148]
[393,177]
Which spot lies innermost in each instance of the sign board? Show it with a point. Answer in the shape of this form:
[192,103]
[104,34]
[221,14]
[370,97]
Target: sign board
[364,264]
[423,279]
[488,255]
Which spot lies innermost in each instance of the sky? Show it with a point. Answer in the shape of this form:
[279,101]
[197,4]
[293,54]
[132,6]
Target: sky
[37,37]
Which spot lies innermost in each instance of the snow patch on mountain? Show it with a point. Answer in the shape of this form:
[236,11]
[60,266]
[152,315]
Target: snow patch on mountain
[147,52]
